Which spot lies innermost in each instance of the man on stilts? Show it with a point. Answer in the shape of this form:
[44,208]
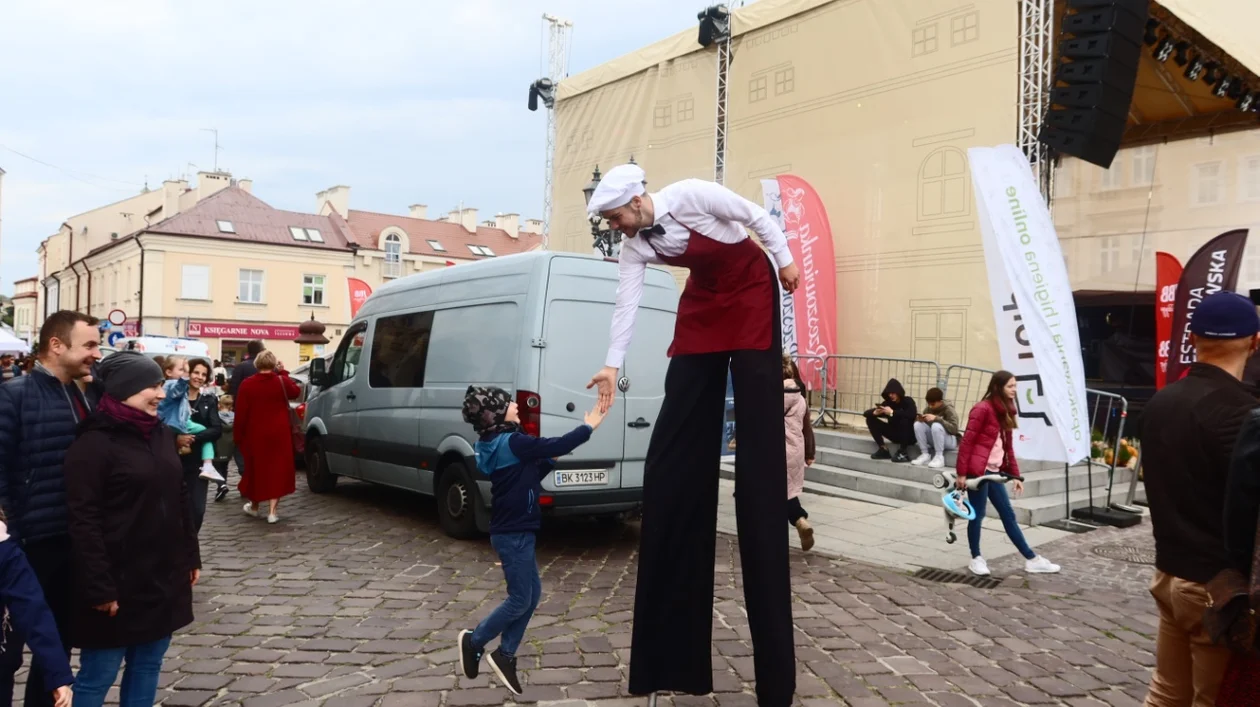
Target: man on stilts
[728,317]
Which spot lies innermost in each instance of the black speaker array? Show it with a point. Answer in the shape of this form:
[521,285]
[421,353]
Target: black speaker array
[1100,48]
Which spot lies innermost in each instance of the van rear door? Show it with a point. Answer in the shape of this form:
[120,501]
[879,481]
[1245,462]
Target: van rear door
[578,310]
[644,369]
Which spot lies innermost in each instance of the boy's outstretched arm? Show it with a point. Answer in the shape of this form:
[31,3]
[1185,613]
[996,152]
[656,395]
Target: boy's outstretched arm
[528,448]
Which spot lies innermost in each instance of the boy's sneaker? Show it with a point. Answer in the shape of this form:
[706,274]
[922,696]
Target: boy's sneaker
[882,453]
[901,457]
[469,656]
[979,567]
[505,668]
[938,462]
[1040,565]
[922,459]
[221,493]
[209,473]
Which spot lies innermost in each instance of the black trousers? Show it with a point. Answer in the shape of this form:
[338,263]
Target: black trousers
[894,429]
[673,602]
[50,560]
[795,510]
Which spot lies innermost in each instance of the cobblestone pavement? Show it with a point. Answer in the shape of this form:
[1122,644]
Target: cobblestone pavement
[355,598]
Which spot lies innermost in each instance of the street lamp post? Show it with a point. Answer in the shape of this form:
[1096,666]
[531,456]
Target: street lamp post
[605,240]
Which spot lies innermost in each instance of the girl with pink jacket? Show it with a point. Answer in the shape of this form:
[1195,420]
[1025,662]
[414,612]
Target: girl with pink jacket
[799,432]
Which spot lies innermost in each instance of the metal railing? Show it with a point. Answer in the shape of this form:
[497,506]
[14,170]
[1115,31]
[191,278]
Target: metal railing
[964,387]
[854,384]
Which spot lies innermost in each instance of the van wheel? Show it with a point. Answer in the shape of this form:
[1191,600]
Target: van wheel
[456,501]
[319,479]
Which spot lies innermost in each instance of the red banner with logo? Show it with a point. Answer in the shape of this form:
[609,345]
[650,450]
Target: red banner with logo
[241,330]
[1212,268]
[359,292]
[1167,273]
[808,316]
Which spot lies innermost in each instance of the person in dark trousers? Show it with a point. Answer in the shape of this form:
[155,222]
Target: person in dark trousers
[728,319]
[205,412]
[893,420]
[39,415]
[515,462]
[243,370]
[27,619]
[133,538]
[1189,431]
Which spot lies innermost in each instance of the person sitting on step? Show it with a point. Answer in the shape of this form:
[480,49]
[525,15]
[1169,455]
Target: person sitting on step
[936,430]
[893,420]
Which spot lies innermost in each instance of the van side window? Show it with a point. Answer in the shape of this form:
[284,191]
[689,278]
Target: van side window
[346,361]
[400,347]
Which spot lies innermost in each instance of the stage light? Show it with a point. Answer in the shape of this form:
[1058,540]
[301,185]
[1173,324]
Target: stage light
[1164,50]
[1212,73]
[544,89]
[1182,56]
[1222,86]
[1150,37]
[715,25]
[1195,70]
[1246,102]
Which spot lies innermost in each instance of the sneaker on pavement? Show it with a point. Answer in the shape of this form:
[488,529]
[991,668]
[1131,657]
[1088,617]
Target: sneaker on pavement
[505,668]
[250,510]
[922,459]
[208,473]
[273,519]
[938,462]
[221,493]
[1040,565]
[979,567]
[469,656]
[901,457]
[882,453]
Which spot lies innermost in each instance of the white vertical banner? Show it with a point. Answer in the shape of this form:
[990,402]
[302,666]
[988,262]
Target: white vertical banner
[772,197]
[1033,305]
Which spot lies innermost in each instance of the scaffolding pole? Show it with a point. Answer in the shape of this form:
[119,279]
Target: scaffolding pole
[1035,79]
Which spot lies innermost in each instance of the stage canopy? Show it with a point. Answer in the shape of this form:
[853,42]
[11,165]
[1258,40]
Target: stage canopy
[10,344]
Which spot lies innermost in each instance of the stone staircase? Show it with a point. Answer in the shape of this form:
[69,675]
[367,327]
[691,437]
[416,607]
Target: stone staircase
[844,468]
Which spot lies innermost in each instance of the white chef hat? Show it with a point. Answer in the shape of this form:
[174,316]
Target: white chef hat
[617,188]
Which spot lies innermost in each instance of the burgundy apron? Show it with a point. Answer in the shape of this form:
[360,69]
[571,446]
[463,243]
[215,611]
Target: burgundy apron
[728,302]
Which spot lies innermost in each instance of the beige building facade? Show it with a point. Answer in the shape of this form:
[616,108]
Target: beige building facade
[24,309]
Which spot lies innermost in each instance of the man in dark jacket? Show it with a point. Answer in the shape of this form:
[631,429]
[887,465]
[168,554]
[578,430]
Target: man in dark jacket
[1189,430]
[39,414]
[243,370]
[894,421]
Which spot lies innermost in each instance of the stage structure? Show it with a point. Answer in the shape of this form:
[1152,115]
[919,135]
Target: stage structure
[1036,23]
[559,46]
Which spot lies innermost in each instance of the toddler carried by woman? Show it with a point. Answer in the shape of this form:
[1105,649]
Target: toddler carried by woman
[175,412]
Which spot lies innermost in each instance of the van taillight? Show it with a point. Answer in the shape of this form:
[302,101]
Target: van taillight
[529,408]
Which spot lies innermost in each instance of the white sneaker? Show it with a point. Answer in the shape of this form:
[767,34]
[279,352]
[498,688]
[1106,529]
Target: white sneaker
[922,459]
[250,510]
[273,518]
[979,567]
[211,474]
[938,462]
[1040,565]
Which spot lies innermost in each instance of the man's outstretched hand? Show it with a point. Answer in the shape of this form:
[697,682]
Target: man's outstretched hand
[790,276]
[605,381]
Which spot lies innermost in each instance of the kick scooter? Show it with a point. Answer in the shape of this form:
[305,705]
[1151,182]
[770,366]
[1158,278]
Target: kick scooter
[955,501]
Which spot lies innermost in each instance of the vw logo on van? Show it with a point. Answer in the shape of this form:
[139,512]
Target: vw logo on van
[623,384]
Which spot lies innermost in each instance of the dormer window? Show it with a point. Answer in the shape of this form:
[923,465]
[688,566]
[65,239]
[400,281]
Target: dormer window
[298,233]
[435,245]
[306,234]
[481,250]
[225,227]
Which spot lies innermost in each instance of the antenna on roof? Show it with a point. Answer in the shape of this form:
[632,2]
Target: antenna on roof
[216,145]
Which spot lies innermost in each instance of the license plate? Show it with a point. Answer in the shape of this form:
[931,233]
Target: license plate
[567,479]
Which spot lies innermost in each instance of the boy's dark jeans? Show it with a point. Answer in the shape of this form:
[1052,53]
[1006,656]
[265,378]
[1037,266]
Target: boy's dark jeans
[524,587]
[898,430]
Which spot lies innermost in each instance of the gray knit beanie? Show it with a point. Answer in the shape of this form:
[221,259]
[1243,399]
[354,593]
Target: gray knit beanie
[126,373]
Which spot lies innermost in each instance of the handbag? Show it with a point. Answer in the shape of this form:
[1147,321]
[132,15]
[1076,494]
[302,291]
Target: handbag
[1230,617]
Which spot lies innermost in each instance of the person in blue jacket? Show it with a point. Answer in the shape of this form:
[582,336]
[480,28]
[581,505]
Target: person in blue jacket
[28,620]
[516,462]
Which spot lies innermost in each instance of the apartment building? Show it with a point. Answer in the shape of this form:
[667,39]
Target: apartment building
[24,309]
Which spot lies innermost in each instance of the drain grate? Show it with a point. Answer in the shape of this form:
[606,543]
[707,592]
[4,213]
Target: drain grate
[1126,553]
[950,577]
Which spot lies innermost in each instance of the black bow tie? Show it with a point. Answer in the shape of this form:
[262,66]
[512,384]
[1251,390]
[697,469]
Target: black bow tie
[657,230]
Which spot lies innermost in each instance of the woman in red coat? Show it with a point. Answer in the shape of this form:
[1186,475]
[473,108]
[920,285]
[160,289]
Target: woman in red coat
[263,434]
[987,448]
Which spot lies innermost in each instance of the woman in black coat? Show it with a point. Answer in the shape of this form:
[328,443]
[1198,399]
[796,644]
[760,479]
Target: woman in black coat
[205,410]
[133,541]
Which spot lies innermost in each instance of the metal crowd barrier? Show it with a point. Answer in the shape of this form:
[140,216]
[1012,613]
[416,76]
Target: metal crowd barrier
[854,383]
[964,387]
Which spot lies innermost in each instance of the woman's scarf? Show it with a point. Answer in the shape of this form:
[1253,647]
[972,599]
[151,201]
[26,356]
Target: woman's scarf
[139,419]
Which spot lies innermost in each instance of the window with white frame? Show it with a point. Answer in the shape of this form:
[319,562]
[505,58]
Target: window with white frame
[1108,253]
[195,282]
[1249,178]
[481,250]
[1207,185]
[298,233]
[437,245]
[393,248]
[315,235]
[313,290]
[1112,178]
[251,286]
[225,227]
[1144,166]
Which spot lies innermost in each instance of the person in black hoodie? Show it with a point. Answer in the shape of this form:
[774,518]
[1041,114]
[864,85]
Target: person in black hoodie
[132,536]
[515,462]
[894,421]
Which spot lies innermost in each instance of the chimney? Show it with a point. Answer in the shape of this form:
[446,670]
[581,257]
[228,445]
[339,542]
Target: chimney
[171,191]
[246,185]
[468,217]
[510,223]
[419,211]
[211,183]
[335,198]
[533,226]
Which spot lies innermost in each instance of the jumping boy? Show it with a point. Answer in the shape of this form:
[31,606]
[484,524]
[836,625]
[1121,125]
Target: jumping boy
[516,462]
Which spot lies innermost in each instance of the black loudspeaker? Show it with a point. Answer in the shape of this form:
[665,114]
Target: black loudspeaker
[1100,50]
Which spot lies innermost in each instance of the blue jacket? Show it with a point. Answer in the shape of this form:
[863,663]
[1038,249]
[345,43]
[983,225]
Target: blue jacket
[38,422]
[516,463]
[174,410]
[31,619]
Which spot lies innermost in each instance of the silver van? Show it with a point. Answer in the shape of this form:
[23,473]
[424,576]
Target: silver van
[388,404]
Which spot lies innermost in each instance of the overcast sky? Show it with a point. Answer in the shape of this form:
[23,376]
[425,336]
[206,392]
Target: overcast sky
[405,101]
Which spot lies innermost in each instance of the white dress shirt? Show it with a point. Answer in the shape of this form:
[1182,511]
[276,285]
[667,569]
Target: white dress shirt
[710,209]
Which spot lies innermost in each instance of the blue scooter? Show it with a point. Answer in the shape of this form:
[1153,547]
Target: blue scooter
[955,500]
